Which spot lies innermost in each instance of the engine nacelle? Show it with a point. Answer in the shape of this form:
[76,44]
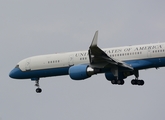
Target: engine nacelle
[80,72]
[109,76]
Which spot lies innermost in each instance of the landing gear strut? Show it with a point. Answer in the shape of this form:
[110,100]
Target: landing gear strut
[118,80]
[38,90]
[136,81]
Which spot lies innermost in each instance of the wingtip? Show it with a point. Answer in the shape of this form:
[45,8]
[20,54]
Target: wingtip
[96,32]
[94,41]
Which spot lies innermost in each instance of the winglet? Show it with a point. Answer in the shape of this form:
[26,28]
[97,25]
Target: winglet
[94,42]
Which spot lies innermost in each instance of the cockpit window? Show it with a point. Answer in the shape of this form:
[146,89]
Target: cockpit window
[17,66]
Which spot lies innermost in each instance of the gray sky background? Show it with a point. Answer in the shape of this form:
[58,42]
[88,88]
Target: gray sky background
[34,27]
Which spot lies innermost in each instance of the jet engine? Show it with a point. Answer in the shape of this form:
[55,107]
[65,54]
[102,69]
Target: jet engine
[80,72]
[109,76]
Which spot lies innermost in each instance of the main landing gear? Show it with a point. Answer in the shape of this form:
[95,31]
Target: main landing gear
[133,82]
[137,82]
[119,82]
[38,90]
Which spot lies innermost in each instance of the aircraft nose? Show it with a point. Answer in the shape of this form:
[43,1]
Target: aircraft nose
[15,73]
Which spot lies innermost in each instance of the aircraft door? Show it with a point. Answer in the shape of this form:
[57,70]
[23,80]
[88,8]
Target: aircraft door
[27,65]
[149,53]
[71,60]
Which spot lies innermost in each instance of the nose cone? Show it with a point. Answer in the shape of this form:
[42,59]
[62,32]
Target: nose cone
[15,73]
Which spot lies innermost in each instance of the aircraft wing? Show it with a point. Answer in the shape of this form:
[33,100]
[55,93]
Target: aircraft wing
[99,59]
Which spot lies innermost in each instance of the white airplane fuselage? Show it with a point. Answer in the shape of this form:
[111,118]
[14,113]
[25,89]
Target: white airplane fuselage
[116,63]
[58,64]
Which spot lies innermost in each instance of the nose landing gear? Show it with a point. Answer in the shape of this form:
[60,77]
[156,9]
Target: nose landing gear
[38,90]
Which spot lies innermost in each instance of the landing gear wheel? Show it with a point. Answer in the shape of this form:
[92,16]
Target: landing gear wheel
[38,90]
[120,82]
[114,82]
[137,82]
[134,82]
[140,82]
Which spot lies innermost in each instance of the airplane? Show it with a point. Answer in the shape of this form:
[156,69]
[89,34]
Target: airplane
[116,63]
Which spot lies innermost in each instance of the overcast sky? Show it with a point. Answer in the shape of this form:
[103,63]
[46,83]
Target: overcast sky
[34,27]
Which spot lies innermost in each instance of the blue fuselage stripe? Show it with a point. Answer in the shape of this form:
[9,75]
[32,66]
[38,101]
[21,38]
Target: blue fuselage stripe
[136,64]
[18,74]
